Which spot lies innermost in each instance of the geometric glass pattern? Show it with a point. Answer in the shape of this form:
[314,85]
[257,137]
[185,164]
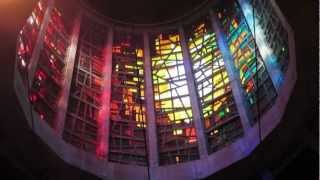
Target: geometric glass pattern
[127,129]
[27,38]
[219,111]
[254,77]
[82,119]
[177,139]
[48,77]
[92,81]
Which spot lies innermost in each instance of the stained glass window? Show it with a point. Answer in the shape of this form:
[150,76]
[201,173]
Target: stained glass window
[247,60]
[273,30]
[177,139]
[219,112]
[28,36]
[82,119]
[128,122]
[47,82]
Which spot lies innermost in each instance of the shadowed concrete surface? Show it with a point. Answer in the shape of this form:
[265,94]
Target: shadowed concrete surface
[291,150]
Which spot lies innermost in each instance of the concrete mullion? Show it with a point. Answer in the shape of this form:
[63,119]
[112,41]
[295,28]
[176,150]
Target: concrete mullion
[196,111]
[152,138]
[68,73]
[104,112]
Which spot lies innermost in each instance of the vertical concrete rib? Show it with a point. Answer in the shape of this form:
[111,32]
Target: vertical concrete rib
[152,138]
[196,111]
[68,72]
[104,112]
[237,90]
[39,42]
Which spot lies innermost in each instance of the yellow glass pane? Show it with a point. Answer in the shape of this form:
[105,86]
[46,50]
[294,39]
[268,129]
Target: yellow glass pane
[226,80]
[162,73]
[177,49]
[179,56]
[171,117]
[135,79]
[130,83]
[174,38]
[139,52]
[163,87]
[197,56]
[166,51]
[208,58]
[217,78]
[139,63]
[199,42]
[207,109]
[217,105]
[172,57]
[208,98]
[165,95]
[140,71]
[218,93]
[191,45]
[180,115]
[166,104]
[232,48]
[177,132]
[132,90]
[156,58]
[189,112]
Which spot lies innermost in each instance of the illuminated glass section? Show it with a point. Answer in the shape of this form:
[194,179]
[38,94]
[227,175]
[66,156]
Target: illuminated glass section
[266,53]
[47,83]
[177,139]
[274,32]
[127,127]
[219,111]
[82,119]
[252,71]
[27,38]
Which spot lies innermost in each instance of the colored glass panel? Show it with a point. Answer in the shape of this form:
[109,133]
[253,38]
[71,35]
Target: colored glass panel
[28,36]
[85,100]
[128,123]
[176,132]
[273,31]
[218,107]
[247,59]
[47,81]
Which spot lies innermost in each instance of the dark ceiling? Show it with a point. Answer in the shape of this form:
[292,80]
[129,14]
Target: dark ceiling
[24,156]
[144,11]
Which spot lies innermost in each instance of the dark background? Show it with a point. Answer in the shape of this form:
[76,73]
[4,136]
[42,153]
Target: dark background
[291,151]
